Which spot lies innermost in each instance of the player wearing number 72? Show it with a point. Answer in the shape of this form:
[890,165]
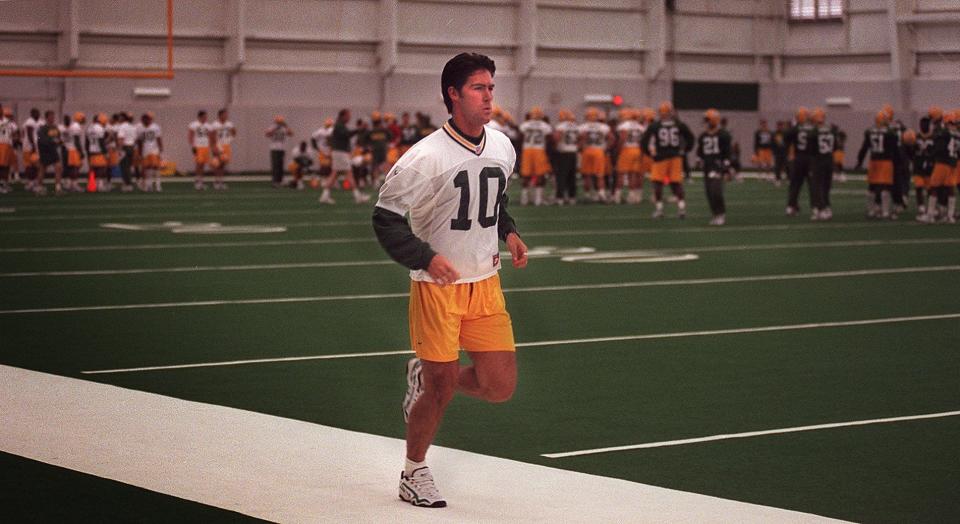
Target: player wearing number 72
[453,185]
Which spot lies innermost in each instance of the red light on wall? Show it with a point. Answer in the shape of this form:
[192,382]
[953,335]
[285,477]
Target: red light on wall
[617,100]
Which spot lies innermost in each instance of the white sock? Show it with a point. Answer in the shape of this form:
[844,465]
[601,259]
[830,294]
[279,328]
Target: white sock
[410,466]
[681,205]
[326,194]
[951,206]
[660,205]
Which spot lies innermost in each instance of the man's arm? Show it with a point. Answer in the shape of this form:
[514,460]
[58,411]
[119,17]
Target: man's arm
[507,231]
[863,149]
[397,239]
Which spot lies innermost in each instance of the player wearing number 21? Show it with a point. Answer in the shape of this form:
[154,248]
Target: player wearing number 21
[453,186]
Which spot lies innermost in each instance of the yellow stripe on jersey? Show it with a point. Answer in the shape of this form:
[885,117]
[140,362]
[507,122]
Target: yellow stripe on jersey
[476,149]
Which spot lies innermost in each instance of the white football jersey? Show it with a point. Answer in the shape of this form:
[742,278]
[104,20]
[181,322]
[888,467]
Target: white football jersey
[95,133]
[150,136]
[224,132]
[569,137]
[321,135]
[74,132]
[634,130]
[8,128]
[201,131]
[535,134]
[452,190]
[31,127]
[126,134]
[595,133]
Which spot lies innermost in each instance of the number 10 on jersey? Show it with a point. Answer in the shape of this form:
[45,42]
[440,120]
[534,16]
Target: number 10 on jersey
[462,182]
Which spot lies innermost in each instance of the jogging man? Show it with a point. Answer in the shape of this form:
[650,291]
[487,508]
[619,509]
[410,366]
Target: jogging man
[453,184]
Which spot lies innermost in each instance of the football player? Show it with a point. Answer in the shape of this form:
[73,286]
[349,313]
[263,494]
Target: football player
[453,185]
[320,140]
[340,139]
[96,146]
[594,137]
[277,133]
[377,141]
[31,159]
[799,140]
[922,161]
[199,137]
[941,204]
[150,144]
[713,153]
[821,168]
[73,143]
[566,136]
[225,131]
[668,140]
[8,160]
[763,149]
[884,148]
[629,156]
[126,133]
[534,164]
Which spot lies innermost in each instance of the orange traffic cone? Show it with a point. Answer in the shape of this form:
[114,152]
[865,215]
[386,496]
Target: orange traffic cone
[347,185]
[92,182]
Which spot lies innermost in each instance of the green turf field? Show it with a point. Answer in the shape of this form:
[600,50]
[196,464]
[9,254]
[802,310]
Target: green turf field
[776,323]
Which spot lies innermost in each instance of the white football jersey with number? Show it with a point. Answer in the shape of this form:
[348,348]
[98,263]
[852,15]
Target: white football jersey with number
[535,134]
[452,190]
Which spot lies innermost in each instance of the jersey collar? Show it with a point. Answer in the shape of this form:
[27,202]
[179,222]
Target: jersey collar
[456,136]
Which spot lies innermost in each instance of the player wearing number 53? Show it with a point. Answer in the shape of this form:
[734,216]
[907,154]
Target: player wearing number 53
[453,185]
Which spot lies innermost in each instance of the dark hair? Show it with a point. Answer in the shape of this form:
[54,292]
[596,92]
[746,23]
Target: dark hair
[34,112]
[458,69]
[342,114]
[201,113]
[222,111]
[925,124]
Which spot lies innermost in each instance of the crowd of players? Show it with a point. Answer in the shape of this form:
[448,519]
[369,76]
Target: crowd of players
[612,158]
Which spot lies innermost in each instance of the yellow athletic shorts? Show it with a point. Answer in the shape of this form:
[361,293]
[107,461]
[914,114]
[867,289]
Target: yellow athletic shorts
[534,162]
[880,172]
[593,161]
[151,161]
[471,316]
[764,156]
[226,153]
[628,161]
[668,171]
[203,156]
[7,155]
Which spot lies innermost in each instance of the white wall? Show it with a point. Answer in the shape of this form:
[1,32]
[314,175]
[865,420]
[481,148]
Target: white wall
[308,58]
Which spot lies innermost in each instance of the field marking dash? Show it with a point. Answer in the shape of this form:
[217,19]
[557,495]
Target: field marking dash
[748,434]
[530,289]
[652,336]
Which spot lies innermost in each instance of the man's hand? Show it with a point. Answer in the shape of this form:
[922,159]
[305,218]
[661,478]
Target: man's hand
[442,271]
[518,250]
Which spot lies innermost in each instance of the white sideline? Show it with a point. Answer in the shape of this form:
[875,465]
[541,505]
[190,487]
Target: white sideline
[748,434]
[531,289]
[287,470]
[652,336]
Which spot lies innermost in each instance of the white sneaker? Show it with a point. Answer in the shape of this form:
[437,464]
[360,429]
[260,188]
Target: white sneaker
[414,386]
[815,215]
[419,489]
[326,199]
[792,211]
[658,213]
[361,198]
[199,186]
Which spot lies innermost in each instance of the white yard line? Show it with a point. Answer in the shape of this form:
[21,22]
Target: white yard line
[371,240]
[561,342]
[286,470]
[651,230]
[530,289]
[748,434]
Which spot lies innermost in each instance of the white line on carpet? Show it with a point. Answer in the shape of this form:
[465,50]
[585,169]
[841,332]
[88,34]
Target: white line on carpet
[714,438]
[530,289]
[286,470]
[563,342]
[371,239]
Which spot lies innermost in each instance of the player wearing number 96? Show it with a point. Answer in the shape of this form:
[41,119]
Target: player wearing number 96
[453,186]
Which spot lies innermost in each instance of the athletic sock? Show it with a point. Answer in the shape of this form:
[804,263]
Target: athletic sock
[660,205]
[682,205]
[932,205]
[951,206]
[411,466]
